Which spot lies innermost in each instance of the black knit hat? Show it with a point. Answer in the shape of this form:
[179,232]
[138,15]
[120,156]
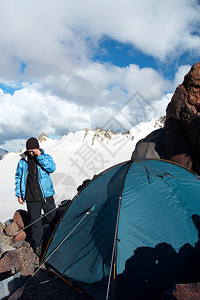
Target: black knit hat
[32,143]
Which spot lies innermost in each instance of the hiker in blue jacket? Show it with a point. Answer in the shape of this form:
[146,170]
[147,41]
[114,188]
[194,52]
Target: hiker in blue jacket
[34,185]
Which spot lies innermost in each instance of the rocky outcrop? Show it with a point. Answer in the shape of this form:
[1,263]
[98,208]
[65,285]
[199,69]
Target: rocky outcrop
[179,139]
[185,103]
[182,126]
[16,254]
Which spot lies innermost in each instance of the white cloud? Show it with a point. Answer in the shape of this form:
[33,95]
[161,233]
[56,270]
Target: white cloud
[102,84]
[31,110]
[161,105]
[179,76]
[56,36]
[146,81]
[56,40]
[28,112]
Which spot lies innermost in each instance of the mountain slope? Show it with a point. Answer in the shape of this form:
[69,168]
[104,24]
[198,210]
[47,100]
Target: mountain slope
[78,156]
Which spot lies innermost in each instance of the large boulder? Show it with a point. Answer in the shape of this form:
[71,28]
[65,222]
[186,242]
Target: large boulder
[152,146]
[12,229]
[19,237]
[182,126]
[21,217]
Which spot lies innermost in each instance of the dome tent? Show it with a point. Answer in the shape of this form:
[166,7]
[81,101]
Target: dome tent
[131,232]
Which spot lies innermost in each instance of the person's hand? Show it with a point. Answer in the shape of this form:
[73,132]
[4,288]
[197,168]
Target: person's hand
[36,152]
[20,200]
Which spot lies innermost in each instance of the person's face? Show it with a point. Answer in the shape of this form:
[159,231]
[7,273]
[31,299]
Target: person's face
[32,152]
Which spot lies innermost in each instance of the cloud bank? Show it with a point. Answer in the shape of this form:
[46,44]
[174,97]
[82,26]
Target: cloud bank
[47,50]
[31,110]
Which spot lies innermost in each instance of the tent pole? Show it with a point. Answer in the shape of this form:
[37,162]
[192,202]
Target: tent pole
[114,252]
[113,259]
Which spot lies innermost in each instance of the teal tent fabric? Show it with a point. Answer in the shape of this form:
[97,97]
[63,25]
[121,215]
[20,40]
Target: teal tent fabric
[87,251]
[139,219]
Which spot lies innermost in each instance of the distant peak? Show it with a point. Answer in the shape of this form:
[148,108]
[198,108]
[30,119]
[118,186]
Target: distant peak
[43,137]
[100,130]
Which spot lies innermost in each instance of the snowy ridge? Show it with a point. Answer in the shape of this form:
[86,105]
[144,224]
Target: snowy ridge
[78,156]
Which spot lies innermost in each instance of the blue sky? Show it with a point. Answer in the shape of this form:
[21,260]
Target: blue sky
[124,54]
[77,64]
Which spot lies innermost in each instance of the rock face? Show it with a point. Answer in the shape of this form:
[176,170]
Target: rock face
[182,126]
[185,103]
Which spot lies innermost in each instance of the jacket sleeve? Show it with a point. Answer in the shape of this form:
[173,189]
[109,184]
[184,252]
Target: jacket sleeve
[46,162]
[18,178]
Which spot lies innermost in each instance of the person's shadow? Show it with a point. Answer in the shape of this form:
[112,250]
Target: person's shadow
[151,271]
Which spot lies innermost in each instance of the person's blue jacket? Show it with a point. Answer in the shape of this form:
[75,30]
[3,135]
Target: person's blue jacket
[46,166]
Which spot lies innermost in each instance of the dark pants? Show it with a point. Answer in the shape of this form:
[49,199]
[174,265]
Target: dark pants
[34,209]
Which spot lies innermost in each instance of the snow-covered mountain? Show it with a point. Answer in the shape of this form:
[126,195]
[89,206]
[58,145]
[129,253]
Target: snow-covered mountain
[78,156]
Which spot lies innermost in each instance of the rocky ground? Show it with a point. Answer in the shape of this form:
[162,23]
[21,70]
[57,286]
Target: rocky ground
[47,285]
[17,255]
